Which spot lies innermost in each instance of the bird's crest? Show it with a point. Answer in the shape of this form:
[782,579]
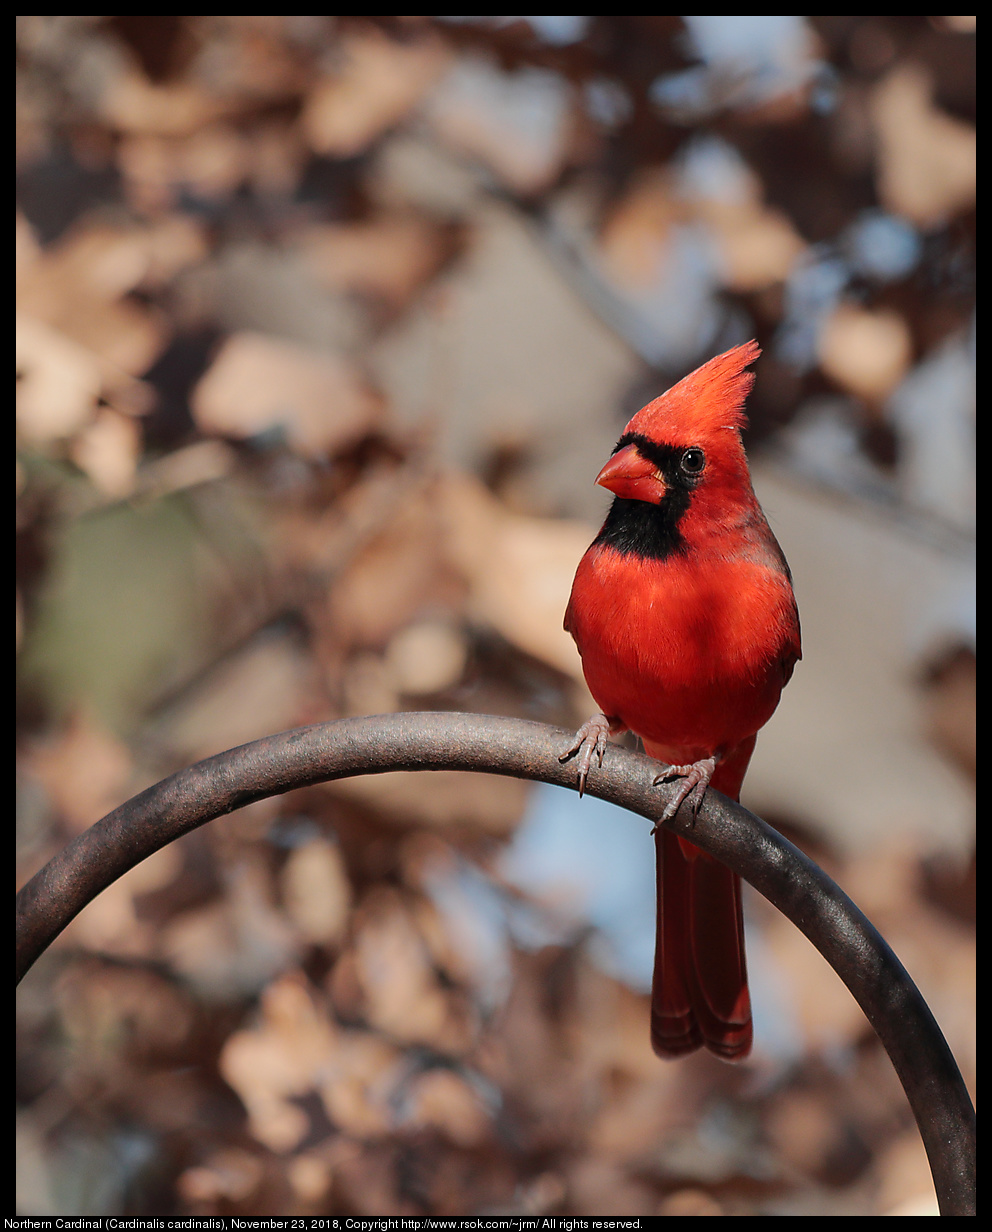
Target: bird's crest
[710,398]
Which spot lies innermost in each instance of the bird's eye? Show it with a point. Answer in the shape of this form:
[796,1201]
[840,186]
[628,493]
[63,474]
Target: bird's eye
[692,461]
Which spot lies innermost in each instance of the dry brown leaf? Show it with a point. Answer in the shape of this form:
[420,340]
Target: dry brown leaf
[172,244]
[867,352]
[828,1016]
[758,246]
[613,1036]
[542,1195]
[110,923]
[127,336]
[518,124]
[519,568]
[310,1174]
[133,104]
[457,946]
[366,686]
[402,993]
[267,687]
[98,262]
[27,250]
[927,165]
[907,1183]
[951,703]
[75,341]
[252,60]
[316,891]
[389,258]
[803,1130]
[507,356]
[58,382]
[492,803]
[85,771]
[149,169]
[229,1175]
[685,1202]
[638,1101]
[78,286]
[258,383]
[210,164]
[378,83]
[277,157]
[938,952]
[441,1099]
[426,657]
[600,1187]
[108,449]
[357,1083]
[235,946]
[126,1009]
[366,1182]
[631,1113]
[402,573]
[635,235]
[532,1057]
[279,1058]
[201,462]
[447,955]
[213,161]
[959,25]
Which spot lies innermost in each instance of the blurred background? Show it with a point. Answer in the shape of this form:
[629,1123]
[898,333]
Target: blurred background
[325,327]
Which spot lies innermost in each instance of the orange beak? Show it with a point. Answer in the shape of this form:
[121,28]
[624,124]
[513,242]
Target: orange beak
[630,475]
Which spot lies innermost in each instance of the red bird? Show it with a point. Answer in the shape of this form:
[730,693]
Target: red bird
[683,613]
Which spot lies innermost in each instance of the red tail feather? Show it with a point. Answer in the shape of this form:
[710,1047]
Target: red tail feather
[699,994]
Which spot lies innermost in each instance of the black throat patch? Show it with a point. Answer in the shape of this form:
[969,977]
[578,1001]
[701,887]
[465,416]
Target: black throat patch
[639,528]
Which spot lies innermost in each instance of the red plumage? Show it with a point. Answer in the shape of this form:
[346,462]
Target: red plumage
[683,611]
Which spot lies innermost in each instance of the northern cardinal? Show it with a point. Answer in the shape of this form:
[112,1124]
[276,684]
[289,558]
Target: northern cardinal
[683,612]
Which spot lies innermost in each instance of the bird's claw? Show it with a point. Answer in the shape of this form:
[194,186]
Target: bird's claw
[695,780]
[591,738]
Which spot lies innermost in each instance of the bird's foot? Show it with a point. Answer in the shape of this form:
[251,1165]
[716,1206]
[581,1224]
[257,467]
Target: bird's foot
[591,738]
[695,779]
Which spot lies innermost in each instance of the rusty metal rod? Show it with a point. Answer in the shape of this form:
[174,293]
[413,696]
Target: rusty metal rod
[484,743]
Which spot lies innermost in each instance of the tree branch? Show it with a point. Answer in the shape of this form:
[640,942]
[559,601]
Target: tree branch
[446,741]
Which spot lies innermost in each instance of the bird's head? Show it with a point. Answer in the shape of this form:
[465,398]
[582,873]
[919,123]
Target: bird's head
[689,438]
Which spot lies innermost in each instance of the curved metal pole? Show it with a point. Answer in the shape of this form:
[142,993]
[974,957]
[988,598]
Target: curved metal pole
[446,741]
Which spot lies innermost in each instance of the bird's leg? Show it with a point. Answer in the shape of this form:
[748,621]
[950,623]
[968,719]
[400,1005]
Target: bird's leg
[591,739]
[695,779]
